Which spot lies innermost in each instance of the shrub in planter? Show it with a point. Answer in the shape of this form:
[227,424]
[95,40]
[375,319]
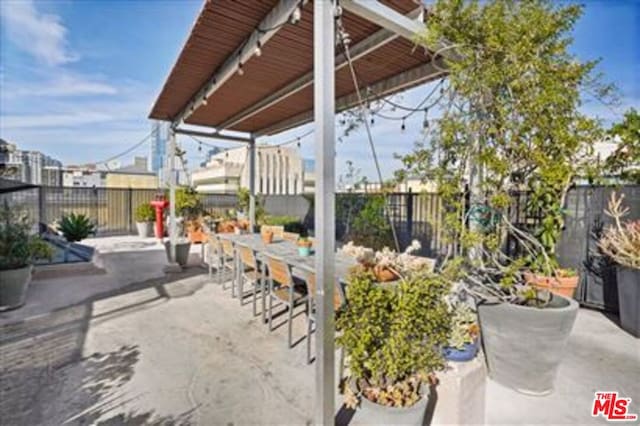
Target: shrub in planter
[290,223]
[76,227]
[19,247]
[304,246]
[392,337]
[463,341]
[144,215]
[621,242]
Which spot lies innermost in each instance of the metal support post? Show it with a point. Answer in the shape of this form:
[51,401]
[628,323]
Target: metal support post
[324,111]
[252,184]
[173,229]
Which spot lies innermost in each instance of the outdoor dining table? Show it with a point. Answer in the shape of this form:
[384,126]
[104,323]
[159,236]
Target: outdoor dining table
[288,252]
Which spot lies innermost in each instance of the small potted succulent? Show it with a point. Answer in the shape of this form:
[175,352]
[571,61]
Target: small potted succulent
[463,341]
[144,220]
[621,242]
[391,336]
[267,236]
[304,246]
[75,227]
[19,248]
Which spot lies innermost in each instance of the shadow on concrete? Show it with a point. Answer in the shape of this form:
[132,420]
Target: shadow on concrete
[44,378]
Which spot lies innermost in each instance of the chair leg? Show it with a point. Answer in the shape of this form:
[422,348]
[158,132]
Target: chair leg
[263,292]
[270,305]
[254,296]
[240,287]
[290,319]
[309,321]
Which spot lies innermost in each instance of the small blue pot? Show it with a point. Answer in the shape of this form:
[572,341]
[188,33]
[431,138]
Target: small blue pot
[304,251]
[467,353]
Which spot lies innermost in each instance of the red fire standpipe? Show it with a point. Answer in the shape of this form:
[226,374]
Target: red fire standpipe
[159,204]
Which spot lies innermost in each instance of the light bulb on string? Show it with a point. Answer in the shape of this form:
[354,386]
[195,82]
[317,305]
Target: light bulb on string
[403,127]
[199,146]
[258,50]
[296,15]
[425,121]
[373,121]
[298,142]
[240,70]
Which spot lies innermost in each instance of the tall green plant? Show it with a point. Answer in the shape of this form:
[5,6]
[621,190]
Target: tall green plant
[625,160]
[510,113]
[370,227]
[76,227]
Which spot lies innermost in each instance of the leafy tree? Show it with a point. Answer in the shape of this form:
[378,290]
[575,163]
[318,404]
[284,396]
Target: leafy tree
[510,111]
[625,160]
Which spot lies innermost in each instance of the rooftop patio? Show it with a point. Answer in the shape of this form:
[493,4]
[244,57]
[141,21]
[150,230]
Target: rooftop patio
[128,344]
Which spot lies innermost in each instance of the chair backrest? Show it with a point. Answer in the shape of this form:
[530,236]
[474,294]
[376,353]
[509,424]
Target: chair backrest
[227,246]
[290,236]
[278,231]
[247,256]
[279,271]
[338,296]
[214,245]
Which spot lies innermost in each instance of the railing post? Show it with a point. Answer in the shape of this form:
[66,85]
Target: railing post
[130,204]
[409,207]
[41,207]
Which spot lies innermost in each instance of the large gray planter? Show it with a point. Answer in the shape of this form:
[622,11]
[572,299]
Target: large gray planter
[145,229]
[371,413]
[524,345]
[629,298]
[14,284]
[182,252]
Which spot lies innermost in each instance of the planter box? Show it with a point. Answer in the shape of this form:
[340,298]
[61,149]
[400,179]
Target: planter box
[371,413]
[145,229]
[524,345]
[629,299]
[14,284]
[182,252]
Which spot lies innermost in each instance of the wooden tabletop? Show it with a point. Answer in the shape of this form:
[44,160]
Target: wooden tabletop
[288,251]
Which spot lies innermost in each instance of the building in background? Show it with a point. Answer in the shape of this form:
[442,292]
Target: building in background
[31,167]
[159,137]
[135,176]
[209,154]
[279,170]
[83,176]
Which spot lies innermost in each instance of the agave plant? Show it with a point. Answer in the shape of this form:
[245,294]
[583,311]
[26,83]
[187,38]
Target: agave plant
[76,227]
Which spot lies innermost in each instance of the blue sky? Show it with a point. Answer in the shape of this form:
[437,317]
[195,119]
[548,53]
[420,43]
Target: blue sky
[78,78]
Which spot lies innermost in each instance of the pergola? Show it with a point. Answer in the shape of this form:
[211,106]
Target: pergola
[252,68]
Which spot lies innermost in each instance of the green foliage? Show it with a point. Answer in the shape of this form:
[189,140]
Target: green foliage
[370,226]
[625,160]
[145,213]
[19,247]
[76,227]
[188,204]
[244,198]
[510,109]
[290,223]
[464,326]
[392,333]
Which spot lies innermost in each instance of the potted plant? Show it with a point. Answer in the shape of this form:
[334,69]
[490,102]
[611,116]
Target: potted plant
[463,341]
[267,236]
[558,281]
[19,247]
[621,242]
[144,220]
[182,248]
[195,230]
[304,246]
[391,336]
[75,227]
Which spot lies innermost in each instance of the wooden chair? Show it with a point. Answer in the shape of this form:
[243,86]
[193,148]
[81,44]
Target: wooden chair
[249,271]
[229,262]
[214,254]
[290,236]
[339,301]
[282,288]
[278,231]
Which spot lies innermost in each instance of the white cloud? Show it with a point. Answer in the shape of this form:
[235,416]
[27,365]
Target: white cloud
[53,120]
[64,85]
[39,34]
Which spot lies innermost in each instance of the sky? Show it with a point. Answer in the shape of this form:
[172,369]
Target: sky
[78,78]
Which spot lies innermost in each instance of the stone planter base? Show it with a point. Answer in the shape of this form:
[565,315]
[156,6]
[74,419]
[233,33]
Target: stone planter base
[145,229]
[629,299]
[182,252]
[14,284]
[372,413]
[524,345]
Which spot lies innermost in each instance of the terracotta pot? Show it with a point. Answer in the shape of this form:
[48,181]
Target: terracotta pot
[562,286]
[384,274]
[197,236]
[267,237]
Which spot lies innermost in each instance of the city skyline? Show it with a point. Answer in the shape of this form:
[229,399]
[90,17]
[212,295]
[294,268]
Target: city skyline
[70,90]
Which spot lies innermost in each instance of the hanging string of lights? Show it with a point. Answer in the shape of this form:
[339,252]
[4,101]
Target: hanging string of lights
[130,149]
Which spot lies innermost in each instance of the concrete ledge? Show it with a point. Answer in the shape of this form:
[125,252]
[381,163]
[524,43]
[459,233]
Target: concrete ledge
[461,394]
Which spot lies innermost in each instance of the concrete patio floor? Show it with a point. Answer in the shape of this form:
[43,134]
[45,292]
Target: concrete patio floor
[134,346]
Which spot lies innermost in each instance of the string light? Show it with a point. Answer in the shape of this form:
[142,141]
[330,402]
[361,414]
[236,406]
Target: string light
[403,127]
[298,143]
[258,51]
[199,146]
[425,122]
[296,15]
[240,70]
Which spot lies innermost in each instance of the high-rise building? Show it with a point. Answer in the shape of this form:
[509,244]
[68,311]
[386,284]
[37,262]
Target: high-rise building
[29,166]
[160,134]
